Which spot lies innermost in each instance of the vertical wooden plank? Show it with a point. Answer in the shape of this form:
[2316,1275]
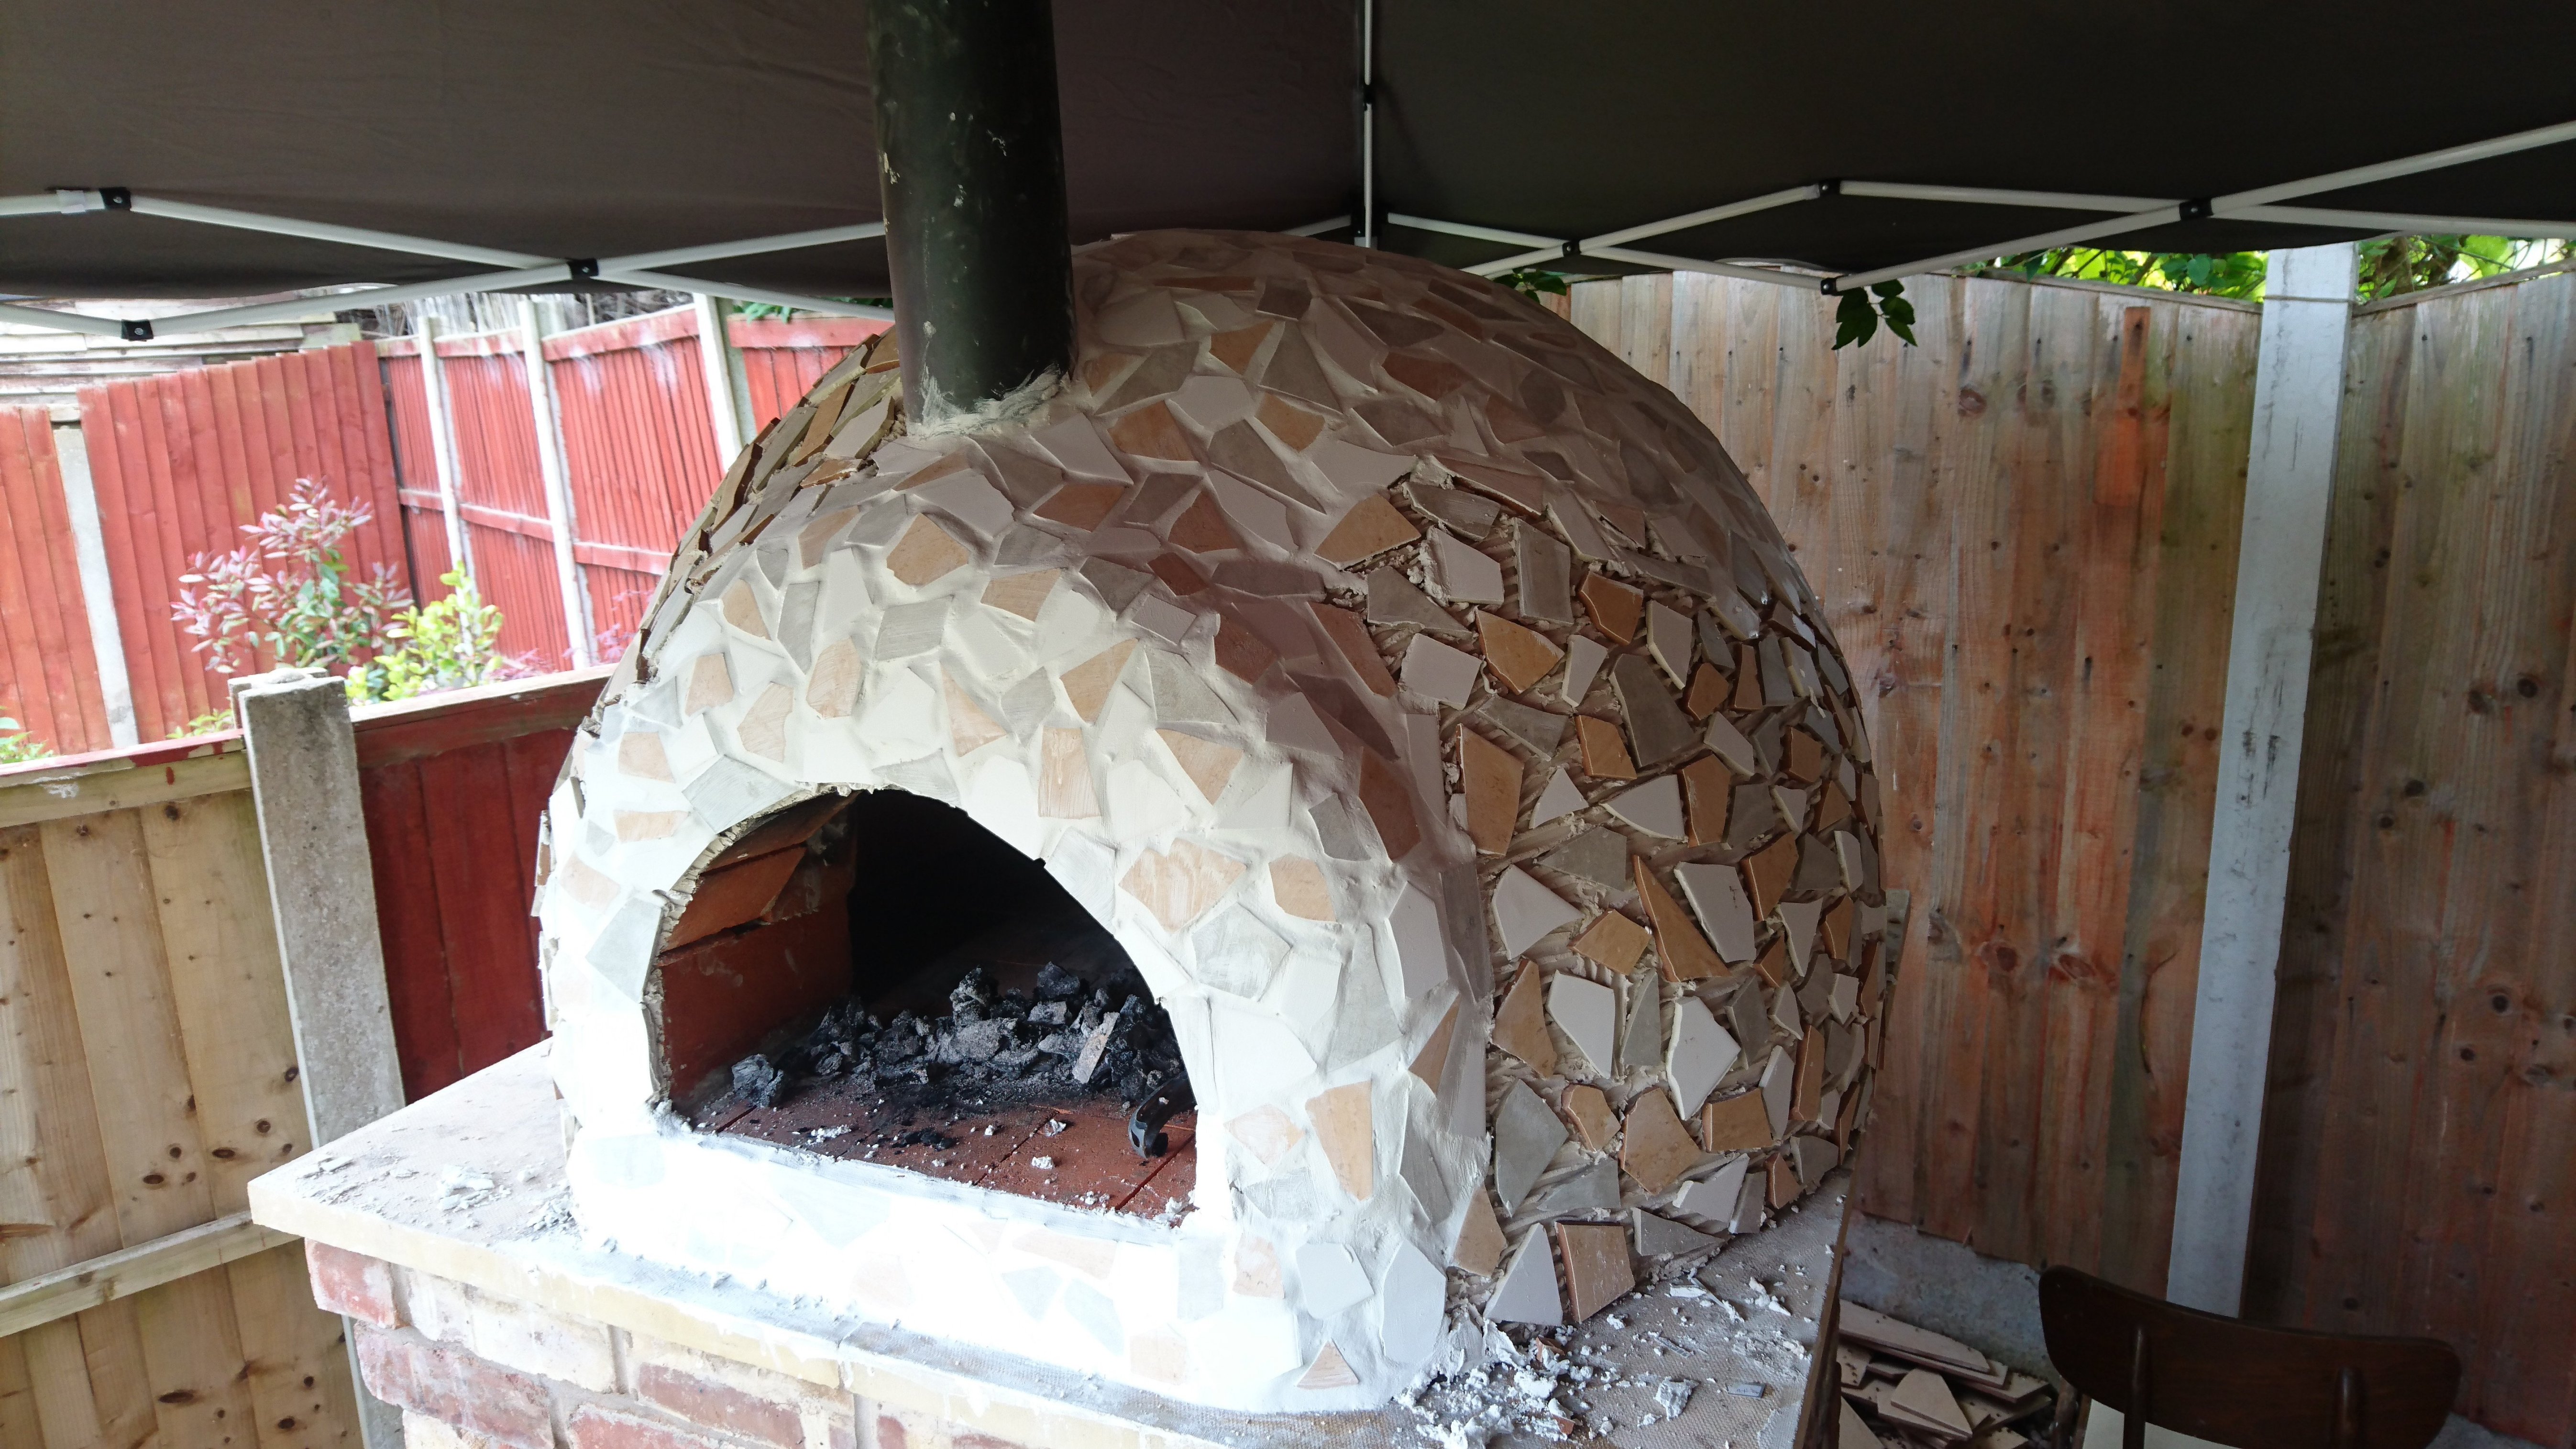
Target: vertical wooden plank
[58,1384]
[19,1428]
[227,987]
[297,1355]
[412,928]
[120,1393]
[192,1351]
[482,901]
[1752,368]
[54,1192]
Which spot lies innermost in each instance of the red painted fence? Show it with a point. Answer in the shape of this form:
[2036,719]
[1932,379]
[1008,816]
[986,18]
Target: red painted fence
[48,672]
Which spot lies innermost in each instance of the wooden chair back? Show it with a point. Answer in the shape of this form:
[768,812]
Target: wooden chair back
[2233,1382]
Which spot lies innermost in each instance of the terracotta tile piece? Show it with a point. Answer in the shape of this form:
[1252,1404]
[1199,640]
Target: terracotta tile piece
[1614,940]
[1491,778]
[1178,574]
[1597,1270]
[1616,608]
[1344,1132]
[1241,652]
[1178,887]
[1748,680]
[1371,527]
[1429,376]
[1081,505]
[1298,885]
[1811,1078]
[1590,1112]
[1152,432]
[1838,929]
[1287,422]
[1236,348]
[640,754]
[1768,871]
[742,610]
[925,553]
[1520,1024]
[1737,1124]
[1087,684]
[1329,1371]
[1525,493]
[1479,1249]
[1683,952]
[1351,636]
[1605,755]
[1208,764]
[1707,788]
[1519,656]
[1656,1149]
[969,728]
[1022,594]
[1389,803]
[1708,690]
[710,684]
[1806,763]
[1202,528]
[1432,1062]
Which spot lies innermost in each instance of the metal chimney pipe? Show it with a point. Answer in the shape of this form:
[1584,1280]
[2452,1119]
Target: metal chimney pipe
[970,154]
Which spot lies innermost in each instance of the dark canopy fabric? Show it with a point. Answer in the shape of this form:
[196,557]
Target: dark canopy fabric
[586,128]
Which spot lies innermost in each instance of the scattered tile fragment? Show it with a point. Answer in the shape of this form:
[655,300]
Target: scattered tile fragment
[1596,854]
[1479,1249]
[1519,655]
[1371,527]
[1717,897]
[1641,1038]
[1707,691]
[1597,1271]
[1616,608]
[1520,1023]
[1342,1129]
[1605,755]
[925,553]
[1463,573]
[1668,638]
[1546,575]
[1351,637]
[1392,599]
[1661,1237]
[1436,671]
[1588,1013]
[1656,724]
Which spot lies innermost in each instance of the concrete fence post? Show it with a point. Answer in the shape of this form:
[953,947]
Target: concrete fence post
[557,477]
[716,354]
[322,895]
[98,585]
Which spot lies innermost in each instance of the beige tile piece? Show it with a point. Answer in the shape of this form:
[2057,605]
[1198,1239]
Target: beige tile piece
[1598,1272]
[925,553]
[1479,1249]
[1180,885]
[1605,754]
[1708,791]
[1298,885]
[1288,423]
[1767,873]
[1708,690]
[1616,608]
[1065,791]
[640,754]
[742,610]
[1081,506]
[710,684]
[1810,1093]
[1491,777]
[1389,803]
[1371,527]
[815,537]
[1350,635]
[1267,1133]
[1924,1396]
[1241,652]
[1202,528]
[1329,1371]
[1655,1148]
[1236,348]
[1208,764]
[1680,949]
[1589,1110]
[832,690]
[969,728]
[1432,1062]
[1087,684]
[1022,594]
[1152,432]
[1614,940]
[764,726]
[1838,929]
[649,824]
[1520,1025]
[1519,656]
[1740,1123]
[1349,1139]
[1256,1267]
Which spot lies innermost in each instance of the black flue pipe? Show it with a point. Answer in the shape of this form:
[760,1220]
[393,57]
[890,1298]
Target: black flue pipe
[970,154]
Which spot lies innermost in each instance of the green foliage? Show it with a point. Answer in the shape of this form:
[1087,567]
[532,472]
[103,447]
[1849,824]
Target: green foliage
[757,310]
[1858,315]
[450,644]
[286,596]
[2394,265]
[17,746]
[212,722]
[1534,284]
[2228,274]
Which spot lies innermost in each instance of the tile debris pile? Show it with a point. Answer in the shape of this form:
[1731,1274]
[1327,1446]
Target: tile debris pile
[1908,1386]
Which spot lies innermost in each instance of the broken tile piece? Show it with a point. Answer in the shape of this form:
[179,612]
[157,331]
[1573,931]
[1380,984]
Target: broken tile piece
[1655,723]
[1654,807]
[1778,1086]
[1471,515]
[1022,594]
[1717,897]
[1668,638]
[1389,803]
[1267,1133]
[1343,1131]
[1799,919]
[1597,855]
[1661,1237]
[1087,684]
[1616,608]
[1180,885]
[1679,947]
[1594,1123]
[1605,755]
[1590,1188]
[1546,574]
[1707,789]
[1557,801]
[1432,1062]
[1520,1023]
[1654,1147]
[1528,1293]
[1208,764]
[1392,599]
[1479,1249]
[1437,672]
[1539,731]
[969,727]
[1372,526]
[1329,1371]
[1768,872]
[1615,942]
[1351,637]
[1641,1038]
[1519,656]
[710,684]
[1588,1013]
[1584,657]
[1736,1124]
[1597,1270]
[1707,691]
[742,610]
[1081,506]
[1463,573]
[1731,746]
[1925,1397]
[1703,1053]
[925,553]
[1491,778]
[1527,1133]
[1525,911]
[1202,528]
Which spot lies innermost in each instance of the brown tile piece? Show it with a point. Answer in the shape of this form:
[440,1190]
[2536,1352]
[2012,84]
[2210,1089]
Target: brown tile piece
[1491,778]
[1180,885]
[710,684]
[1835,808]
[1479,1249]
[925,553]
[730,896]
[1656,1149]
[1773,963]
[1289,423]
[1519,656]
[1616,608]
[1329,1371]
[1605,754]
[1081,505]
[1680,949]
[1241,652]
[1810,1094]
[1838,929]
[1614,940]
[1430,376]
[742,610]
[1343,1130]
[1598,1272]
[1178,574]
[1627,518]
[1707,789]
[1806,757]
[1736,1124]
[1781,1182]
[1102,369]
[1525,493]
[1748,680]
[1022,594]
[1371,527]
[1236,348]
[1389,803]
[1351,636]
[1768,871]
[1298,885]
[1152,432]
[1520,1025]
[1087,684]
[1432,1062]
[1202,528]
[1589,1111]
[1708,690]
[1208,764]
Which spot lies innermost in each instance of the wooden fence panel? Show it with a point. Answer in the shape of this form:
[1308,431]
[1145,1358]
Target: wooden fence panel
[2420,1136]
[144,1035]
[781,359]
[2024,532]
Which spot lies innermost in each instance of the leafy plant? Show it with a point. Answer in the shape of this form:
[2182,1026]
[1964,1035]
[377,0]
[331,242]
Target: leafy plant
[754,311]
[17,746]
[1533,283]
[2222,274]
[1858,314]
[2393,265]
[286,595]
[452,643]
[212,722]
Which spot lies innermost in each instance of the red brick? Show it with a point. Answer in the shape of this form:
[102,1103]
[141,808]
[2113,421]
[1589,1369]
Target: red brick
[352,1283]
[454,1386]
[596,1428]
[721,1406]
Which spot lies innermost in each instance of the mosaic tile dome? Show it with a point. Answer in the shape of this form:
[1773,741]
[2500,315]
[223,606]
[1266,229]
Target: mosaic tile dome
[1424,701]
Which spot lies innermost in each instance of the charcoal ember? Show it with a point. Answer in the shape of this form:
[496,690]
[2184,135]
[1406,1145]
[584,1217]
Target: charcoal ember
[1055,984]
[829,1062]
[1015,1059]
[757,1081]
[1061,1043]
[972,996]
[1050,1013]
[975,1041]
